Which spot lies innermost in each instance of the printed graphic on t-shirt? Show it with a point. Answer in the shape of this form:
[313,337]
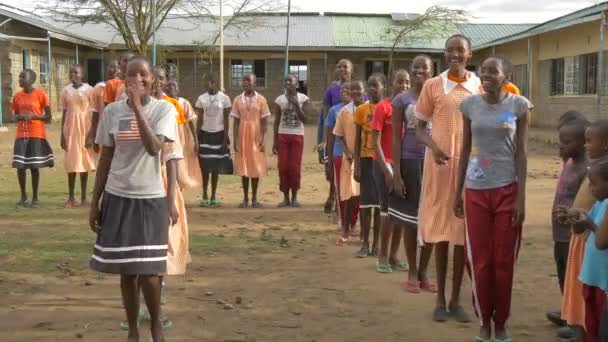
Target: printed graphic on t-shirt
[410,114]
[289,118]
[474,170]
[127,130]
[508,120]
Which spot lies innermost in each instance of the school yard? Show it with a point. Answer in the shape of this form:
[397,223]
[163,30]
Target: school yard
[257,275]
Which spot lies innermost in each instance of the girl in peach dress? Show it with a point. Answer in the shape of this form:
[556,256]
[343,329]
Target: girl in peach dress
[78,103]
[250,112]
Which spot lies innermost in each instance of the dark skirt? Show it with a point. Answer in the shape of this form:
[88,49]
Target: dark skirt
[32,153]
[405,210]
[133,238]
[369,193]
[213,156]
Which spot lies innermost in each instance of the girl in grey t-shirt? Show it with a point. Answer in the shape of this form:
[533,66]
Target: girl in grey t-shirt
[493,172]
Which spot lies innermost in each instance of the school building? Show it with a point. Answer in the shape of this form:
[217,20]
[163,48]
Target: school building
[556,63]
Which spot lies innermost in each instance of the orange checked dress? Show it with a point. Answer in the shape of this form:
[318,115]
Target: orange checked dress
[439,105]
[188,141]
[250,159]
[78,105]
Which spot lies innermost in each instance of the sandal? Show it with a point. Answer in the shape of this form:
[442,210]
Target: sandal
[284,204]
[362,253]
[295,204]
[141,316]
[479,339]
[411,286]
[69,204]
[400,266]
[374,253]
[215,203]
[428,286]
[256,205]
[23,204]
[440,314]
[505,340]
[341,241]
[383,268]
[460,315]
[35,204]
[204,203]
[244,205]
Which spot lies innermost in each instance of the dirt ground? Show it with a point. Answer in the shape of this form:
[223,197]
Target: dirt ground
[295,285]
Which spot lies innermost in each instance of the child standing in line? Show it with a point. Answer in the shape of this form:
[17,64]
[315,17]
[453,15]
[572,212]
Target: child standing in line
[213,137]
[187,135]
[594,271]
[250,113]
[78,103]
[291,111]
[407,179]
[438,105]
[31,150]
[115,89]
[492,172]
[334,157]
[573,302]
[571,149]
[345,131]
[98,95]
[383,170]
[364,167]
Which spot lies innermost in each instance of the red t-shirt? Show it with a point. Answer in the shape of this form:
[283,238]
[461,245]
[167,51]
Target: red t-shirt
[111,90]
[382,122]
[30,103]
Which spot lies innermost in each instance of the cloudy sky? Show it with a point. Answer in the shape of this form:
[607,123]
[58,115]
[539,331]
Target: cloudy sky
[495,11]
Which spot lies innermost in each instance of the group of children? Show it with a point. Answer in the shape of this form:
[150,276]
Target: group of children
[417,158]
[412,158]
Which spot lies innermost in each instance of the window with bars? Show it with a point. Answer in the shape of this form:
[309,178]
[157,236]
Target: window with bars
[300,69]
[25,56]
[44,69]
[372,67]
[239,68]
[588,65]
[557,76]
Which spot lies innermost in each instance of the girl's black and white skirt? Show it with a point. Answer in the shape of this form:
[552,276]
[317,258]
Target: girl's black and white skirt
[32,153]
[213,156]
[133,237]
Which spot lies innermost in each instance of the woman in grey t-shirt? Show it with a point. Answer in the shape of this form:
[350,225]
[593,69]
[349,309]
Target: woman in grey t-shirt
[132,225]
[493,172]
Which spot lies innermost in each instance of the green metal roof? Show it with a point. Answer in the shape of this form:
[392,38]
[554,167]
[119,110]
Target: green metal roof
[484,33]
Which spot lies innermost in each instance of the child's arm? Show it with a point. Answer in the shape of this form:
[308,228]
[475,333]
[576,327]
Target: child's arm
[277,122]
[462,166]
[263,130]
[397,122]
[349,155]
[440,157]
[63,144]
[92,130]
[171,188]
[357,154]
[237,123]
[296,106]
[101,177]
[331,138]
[388,177]
[521,167]
[227,126]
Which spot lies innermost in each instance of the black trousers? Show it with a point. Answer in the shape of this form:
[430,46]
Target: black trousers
[560,254]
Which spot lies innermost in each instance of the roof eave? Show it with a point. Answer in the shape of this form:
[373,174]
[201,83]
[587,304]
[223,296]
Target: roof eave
[74,40]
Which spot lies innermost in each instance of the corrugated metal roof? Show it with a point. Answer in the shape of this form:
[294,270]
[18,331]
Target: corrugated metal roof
[586,14]
[29,20]
[484,33]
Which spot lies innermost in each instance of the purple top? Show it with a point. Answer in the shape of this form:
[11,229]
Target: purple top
[333,95]
[568,184]
[411,148]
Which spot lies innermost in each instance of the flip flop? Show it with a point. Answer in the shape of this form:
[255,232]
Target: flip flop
[341,242]
[383,268]
[69,204]
[284,204]
[243,205]
[295,204]
[400,266]
[215,203]
[23,204]
[505,340]
[374,253]
[362,253]
[441,314]
[479,339]
[141,316]
[204,203]
[256,205]
[411,286]
[35,204]
[428,286]
[459,314]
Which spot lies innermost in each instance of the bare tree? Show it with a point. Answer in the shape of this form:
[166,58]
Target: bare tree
[436,22]
[133,19]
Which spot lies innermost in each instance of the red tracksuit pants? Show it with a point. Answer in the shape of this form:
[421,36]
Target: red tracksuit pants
[337,171]
[290,148]
[595,298]
[492,245]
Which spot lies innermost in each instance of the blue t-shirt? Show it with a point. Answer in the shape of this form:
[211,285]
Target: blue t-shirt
[330,122]
[411,147]
[595,264]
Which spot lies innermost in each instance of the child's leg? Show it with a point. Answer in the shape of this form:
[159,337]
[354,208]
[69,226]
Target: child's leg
[130,298]
[604,323]
[283,160]
[395,242]
[366,218]
[71,186]
[35,182]
[441,261]
[245,182]
[206,185]
[410,240]
[296,150]
[506,244]
[385,236]
[560,253]
[21,176]
[151,288]
[254,189]
[425,256]
[595,299]
[348,212]
[84,179]
[215,177]
[459,263]
[376,229]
